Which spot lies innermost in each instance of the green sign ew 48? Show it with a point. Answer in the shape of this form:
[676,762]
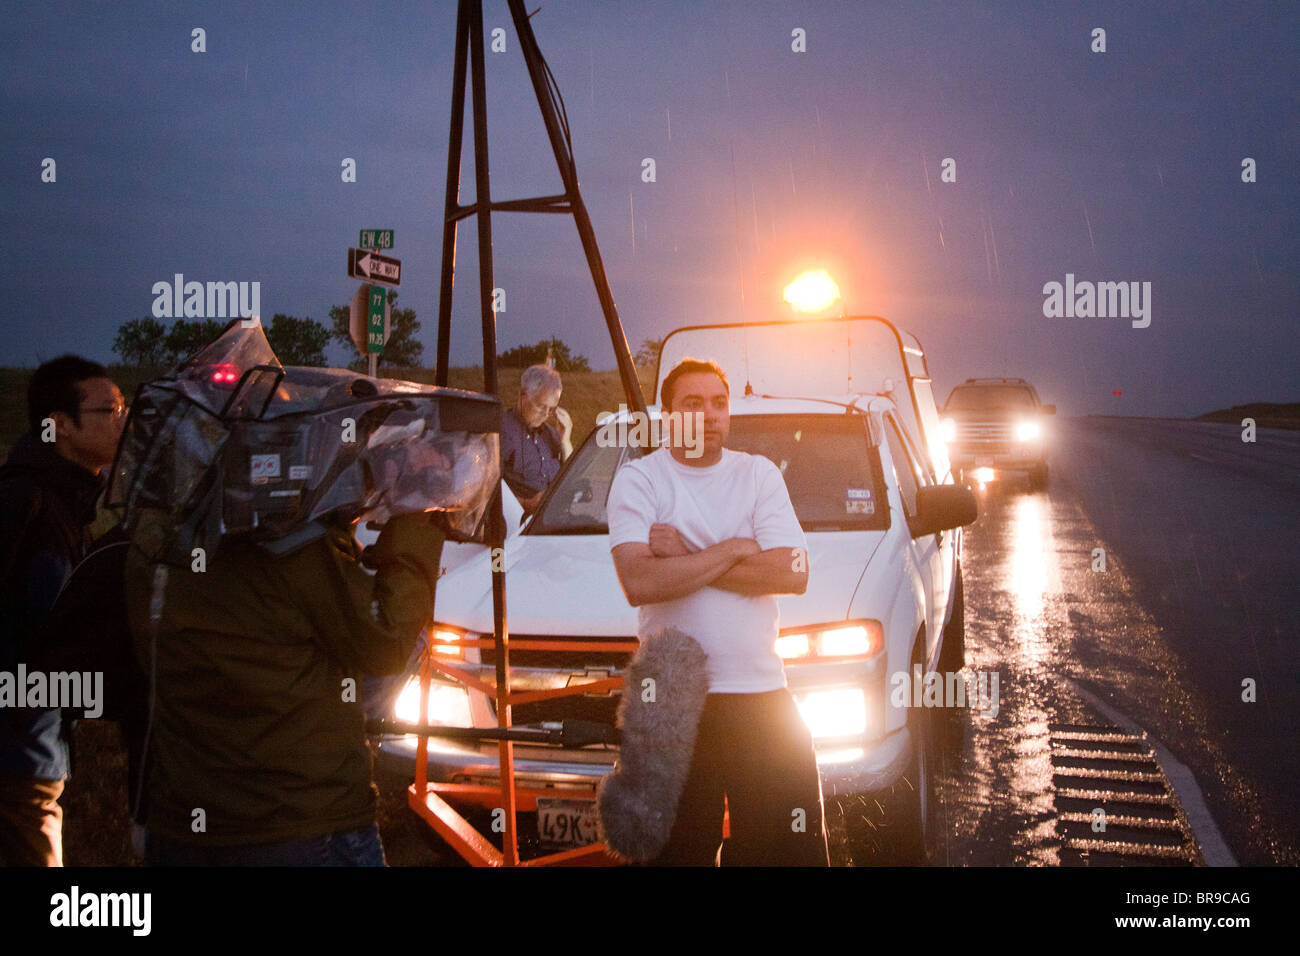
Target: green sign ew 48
[376,239]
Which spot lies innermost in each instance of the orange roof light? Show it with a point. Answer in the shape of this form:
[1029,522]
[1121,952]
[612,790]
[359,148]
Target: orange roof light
[812,291]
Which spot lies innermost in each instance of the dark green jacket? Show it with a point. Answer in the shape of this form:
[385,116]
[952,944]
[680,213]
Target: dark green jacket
[250,721]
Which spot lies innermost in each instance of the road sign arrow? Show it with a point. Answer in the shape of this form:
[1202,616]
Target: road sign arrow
[373,267]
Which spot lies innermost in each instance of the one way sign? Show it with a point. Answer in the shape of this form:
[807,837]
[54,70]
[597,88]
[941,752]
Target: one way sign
[372,267]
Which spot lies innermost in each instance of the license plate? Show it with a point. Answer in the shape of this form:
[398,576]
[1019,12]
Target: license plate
[570,822]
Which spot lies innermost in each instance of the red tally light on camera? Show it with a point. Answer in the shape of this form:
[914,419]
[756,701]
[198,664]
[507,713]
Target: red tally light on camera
[225,375]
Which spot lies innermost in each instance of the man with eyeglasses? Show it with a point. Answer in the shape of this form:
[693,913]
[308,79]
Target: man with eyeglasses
[49,488]
[531,448]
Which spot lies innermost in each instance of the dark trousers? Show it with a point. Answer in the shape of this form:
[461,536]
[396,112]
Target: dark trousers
[360,847]
[756,751]
[31,821]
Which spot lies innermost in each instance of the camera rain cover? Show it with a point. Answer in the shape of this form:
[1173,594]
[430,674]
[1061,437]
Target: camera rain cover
[234,443]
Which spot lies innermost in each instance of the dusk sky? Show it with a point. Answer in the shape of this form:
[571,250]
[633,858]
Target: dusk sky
[1116,166]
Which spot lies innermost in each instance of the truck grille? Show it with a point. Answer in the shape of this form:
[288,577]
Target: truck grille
[994,438]
[984,432]
[575,707]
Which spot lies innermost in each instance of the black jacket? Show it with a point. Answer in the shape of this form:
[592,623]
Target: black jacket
[253,721]
[47,504]
[88,630]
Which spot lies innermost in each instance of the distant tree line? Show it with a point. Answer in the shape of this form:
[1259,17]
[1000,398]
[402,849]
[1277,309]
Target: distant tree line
[648,354]
[563,360]
[148,342]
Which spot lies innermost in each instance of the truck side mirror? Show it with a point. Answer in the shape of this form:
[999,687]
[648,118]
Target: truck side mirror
[1048,409]
[942,507]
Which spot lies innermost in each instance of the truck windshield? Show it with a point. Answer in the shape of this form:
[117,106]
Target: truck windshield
[983,398]
[829,469]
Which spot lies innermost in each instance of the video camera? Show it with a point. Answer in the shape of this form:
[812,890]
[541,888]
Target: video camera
[233,443]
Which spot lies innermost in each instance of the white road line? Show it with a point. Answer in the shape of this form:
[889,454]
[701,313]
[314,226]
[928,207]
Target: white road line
[1213,848]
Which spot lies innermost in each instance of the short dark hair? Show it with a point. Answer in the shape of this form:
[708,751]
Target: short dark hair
[53,388]
[685,367]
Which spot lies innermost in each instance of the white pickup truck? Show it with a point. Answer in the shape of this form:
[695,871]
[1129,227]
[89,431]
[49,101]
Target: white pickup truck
[844,408]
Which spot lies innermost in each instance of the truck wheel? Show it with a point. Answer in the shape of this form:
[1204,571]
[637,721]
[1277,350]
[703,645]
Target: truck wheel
[952,656]
[917,829]
[947,723]
[1038,478]
[884,828]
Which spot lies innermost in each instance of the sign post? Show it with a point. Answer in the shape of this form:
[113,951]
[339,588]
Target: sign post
[378,328]
[369,332]
[370,314]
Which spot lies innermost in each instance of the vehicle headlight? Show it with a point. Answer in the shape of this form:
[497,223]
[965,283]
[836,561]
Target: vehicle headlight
[443,640]
[448,704]
[1027,431]
[834,713]
[948,429]
[842,639]
[792,645]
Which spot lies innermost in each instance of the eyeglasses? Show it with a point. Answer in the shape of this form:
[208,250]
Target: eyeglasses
[114,411]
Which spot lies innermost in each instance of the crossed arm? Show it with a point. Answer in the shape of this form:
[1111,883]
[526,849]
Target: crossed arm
[665,569]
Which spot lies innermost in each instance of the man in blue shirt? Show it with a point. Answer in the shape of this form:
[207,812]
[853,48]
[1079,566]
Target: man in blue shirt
[532,449]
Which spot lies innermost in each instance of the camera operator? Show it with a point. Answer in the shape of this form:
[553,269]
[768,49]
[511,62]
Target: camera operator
[257,752]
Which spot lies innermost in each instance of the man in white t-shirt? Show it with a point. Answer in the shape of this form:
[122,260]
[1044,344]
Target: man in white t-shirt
[703,539]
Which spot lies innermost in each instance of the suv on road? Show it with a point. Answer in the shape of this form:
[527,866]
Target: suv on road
[843,407]
[997,424]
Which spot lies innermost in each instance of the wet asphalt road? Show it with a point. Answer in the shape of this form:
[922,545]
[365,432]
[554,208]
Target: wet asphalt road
[1199,593]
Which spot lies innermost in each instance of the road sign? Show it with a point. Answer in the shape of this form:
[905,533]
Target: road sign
[378,331]
[360,320]
[373,267]
[376,239]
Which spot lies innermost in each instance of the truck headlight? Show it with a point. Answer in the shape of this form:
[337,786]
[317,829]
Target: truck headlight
[948,429]
[792,645]
[834,713]
[801,645]
[448,704]
[1027,431]
[442,640]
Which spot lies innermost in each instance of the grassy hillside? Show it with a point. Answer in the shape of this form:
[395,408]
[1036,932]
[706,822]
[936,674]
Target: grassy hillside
[1266,415]
[586,394]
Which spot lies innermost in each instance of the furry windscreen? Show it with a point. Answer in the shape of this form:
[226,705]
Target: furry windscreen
[665,688]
